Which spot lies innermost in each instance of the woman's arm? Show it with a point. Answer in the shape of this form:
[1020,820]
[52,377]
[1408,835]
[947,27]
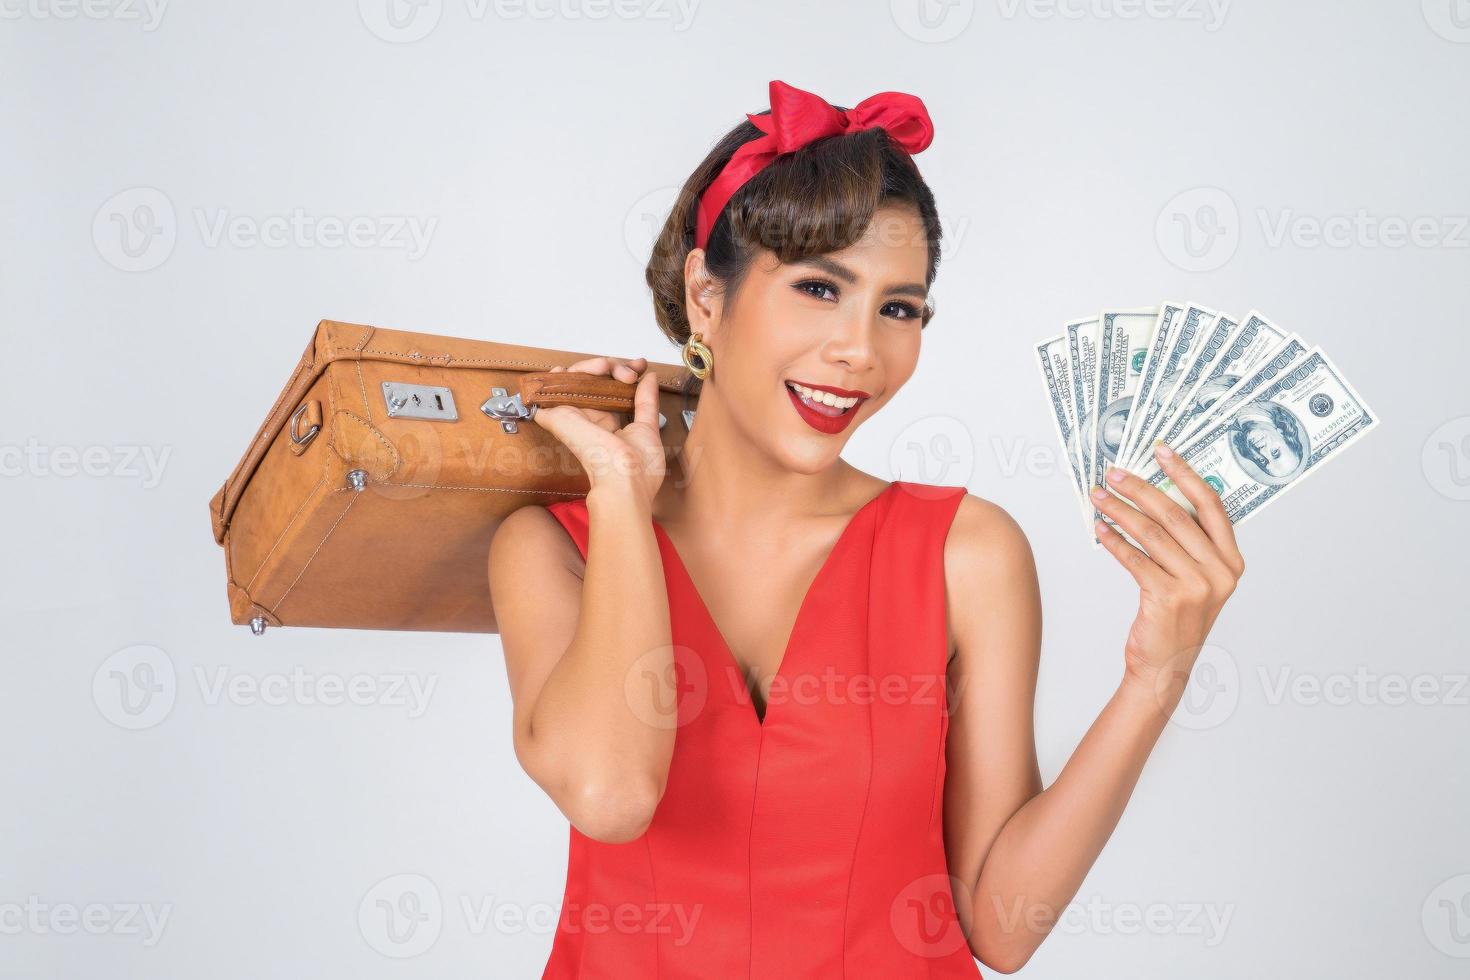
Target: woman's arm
[1019,853]
[587,645]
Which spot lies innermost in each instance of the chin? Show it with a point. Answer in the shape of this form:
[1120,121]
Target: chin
[809,452]
[801,448]
[811,465]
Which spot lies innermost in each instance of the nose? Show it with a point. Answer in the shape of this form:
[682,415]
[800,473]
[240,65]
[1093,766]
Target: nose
[851,343]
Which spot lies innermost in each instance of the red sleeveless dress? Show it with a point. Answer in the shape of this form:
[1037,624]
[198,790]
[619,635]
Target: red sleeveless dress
[807,844]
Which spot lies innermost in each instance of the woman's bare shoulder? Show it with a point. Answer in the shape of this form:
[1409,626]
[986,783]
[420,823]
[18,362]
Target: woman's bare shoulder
[532,537]
[987,549]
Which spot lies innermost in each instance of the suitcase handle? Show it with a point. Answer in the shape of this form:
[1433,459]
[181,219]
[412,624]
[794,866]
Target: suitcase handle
[600,391]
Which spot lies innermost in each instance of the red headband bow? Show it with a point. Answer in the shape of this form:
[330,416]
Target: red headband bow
[796,119]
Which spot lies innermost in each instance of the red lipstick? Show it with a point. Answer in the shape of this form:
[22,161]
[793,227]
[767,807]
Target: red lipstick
[818,418]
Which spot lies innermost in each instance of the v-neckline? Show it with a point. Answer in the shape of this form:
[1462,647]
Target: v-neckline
[801,609]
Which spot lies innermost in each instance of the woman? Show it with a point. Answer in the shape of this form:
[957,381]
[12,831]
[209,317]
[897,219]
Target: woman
[786,706]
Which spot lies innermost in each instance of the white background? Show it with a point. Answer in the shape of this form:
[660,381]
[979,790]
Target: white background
[534,146]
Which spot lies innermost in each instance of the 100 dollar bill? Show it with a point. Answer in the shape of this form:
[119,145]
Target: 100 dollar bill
[1153,362]
[1243,391]
[1215,341]
[1194,326]
[1056,374]
[1306,416]
[1122,347]
[1251,344]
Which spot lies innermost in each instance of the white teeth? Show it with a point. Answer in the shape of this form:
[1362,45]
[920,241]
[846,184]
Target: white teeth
[825,397]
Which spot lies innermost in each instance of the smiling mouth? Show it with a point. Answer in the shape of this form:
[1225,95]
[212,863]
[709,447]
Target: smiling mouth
[823,402]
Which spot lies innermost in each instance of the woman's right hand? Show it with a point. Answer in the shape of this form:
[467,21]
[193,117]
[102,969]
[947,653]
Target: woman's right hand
[631,455]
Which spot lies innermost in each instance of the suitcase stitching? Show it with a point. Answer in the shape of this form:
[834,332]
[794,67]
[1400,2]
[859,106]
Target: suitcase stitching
[362,387]
[581,394]
[307,360]
[366,336]
[447,358]
[319,547]
[392,450]
[284,531]
[300,366]
[451,359]
[333,396]
[306,498]
[334,393]
[446,486]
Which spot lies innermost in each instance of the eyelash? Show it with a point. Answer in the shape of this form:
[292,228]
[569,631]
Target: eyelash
[910,311]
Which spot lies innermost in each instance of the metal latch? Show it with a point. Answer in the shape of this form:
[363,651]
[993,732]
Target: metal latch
[432,402]
[507,409]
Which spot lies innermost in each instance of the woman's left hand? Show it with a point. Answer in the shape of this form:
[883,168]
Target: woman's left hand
[1190,568]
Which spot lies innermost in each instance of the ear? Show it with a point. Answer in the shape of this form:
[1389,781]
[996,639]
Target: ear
[702,300]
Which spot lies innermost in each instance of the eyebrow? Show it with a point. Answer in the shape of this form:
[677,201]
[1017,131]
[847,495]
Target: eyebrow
[835,268]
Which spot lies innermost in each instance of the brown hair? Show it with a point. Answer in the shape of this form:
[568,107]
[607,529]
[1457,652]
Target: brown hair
[818,199]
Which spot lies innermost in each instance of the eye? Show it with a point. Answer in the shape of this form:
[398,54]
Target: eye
[898,310]
[817,288]
[824,289]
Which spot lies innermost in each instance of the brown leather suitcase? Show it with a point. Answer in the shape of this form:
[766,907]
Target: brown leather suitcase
[368,498]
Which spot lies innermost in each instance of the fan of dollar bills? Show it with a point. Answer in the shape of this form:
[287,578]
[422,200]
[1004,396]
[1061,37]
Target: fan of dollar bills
[1251,407]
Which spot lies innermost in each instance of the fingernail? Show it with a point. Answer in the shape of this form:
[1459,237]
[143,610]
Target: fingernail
[1099,494]
[1116,476]
[1164,450]
[1101,527]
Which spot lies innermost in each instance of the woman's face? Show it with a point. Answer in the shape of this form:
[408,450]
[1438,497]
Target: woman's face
[846,320]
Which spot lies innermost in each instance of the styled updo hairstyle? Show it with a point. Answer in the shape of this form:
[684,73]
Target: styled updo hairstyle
[816,200]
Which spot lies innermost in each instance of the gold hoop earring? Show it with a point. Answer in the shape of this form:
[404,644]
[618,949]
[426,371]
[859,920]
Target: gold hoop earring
[694,350]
